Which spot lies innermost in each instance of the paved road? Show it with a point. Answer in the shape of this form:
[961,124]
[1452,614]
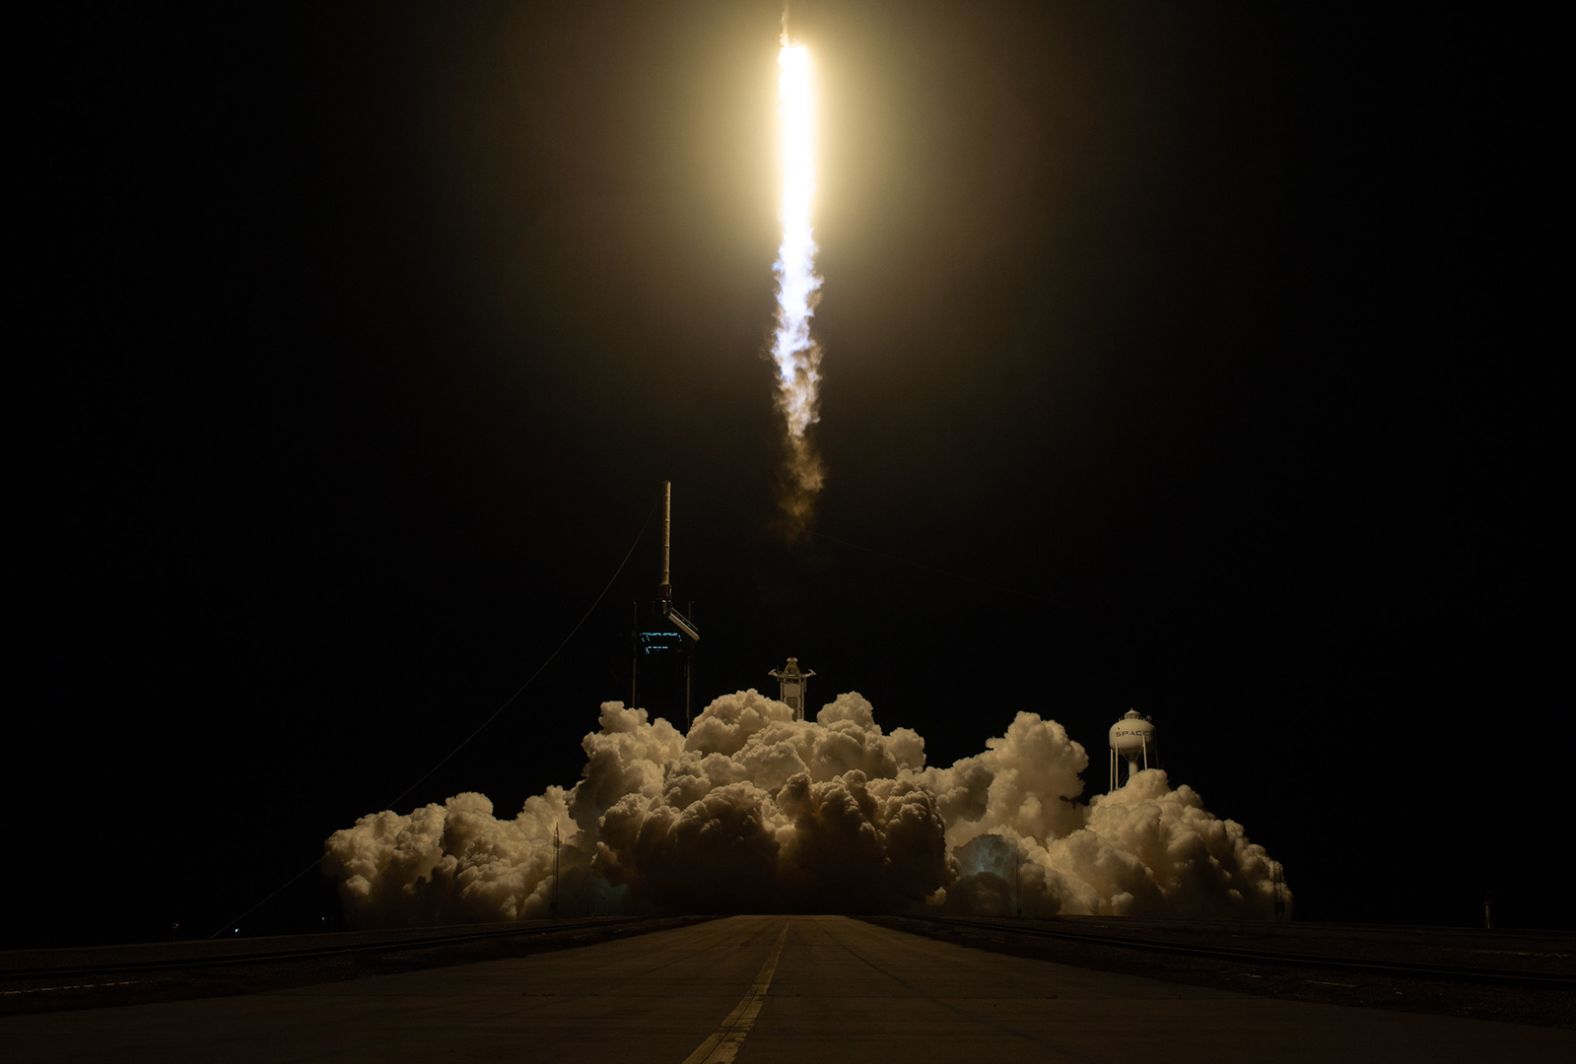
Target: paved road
[763,989]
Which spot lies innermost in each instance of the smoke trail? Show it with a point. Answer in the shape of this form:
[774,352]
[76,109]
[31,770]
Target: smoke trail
[794,351]
[755,811]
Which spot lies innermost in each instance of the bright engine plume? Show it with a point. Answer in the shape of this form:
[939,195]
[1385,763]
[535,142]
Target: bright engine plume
[795,353]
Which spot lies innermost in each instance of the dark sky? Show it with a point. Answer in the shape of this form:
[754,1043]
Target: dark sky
[1164,366]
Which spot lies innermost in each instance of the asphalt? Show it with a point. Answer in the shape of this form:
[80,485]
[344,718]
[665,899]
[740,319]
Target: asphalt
[764,989]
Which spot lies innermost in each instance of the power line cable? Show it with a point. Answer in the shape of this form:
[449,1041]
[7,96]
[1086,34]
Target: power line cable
[630,553]
[463,743]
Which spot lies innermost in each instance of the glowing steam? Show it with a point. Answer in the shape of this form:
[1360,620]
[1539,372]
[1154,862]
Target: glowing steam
[755,811]
[794,352]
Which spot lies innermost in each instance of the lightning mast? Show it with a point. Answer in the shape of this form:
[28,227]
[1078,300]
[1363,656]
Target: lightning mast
[665,588]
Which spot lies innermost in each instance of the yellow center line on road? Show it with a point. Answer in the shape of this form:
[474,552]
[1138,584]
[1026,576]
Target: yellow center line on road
[722,1045]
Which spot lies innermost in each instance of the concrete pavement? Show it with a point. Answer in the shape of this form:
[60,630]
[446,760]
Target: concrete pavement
[763,989]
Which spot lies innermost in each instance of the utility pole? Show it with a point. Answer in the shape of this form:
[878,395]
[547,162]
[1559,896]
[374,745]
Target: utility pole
[555,869]
[1017,879]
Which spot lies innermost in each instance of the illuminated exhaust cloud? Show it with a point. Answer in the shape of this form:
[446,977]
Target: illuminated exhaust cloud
[754,811]
[794,351]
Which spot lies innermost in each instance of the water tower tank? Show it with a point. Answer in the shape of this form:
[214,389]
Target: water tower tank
[1133,740]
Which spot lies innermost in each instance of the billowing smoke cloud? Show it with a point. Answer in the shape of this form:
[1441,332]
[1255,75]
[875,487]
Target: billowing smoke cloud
[755,811]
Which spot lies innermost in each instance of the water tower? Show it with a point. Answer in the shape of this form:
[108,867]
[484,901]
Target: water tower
[1132,739]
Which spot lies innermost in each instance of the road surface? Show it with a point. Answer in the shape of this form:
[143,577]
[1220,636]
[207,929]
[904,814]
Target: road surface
[764,990]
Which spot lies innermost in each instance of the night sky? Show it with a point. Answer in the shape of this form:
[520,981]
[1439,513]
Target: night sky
[1165,366]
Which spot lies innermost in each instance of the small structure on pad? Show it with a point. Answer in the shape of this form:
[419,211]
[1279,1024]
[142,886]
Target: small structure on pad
[793,685]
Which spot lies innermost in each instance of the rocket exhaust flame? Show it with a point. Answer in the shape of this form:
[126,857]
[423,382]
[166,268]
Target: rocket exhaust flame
[795,353]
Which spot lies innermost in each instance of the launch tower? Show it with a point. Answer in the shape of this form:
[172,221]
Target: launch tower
[663,640]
